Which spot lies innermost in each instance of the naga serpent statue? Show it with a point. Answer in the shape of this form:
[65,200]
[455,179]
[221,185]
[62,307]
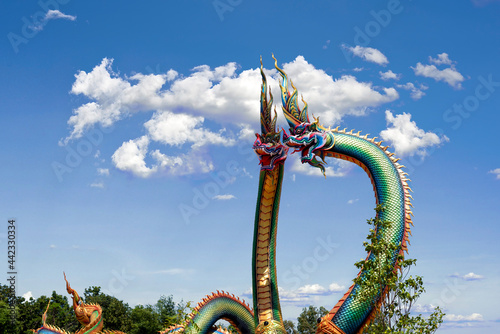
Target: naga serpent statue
[354,311]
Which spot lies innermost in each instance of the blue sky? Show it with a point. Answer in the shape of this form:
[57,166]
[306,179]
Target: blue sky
[128,128]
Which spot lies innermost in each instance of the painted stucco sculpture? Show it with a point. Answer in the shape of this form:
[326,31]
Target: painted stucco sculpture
[315,143]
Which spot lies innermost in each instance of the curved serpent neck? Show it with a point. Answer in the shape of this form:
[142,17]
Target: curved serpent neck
[391,189]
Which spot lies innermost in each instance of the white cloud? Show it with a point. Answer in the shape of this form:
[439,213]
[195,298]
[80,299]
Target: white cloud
[97,185]
[449,75]
[52,246]
[312,289]
[218,94]
[130,157]
[103,171]
[389,75]
[415,93]
[469,277]
[368,54]
[54,14]
[496,172]
[306,292]
[352,201]
[406,138]
[335,168]
[426,308]
[358,69]
[177,129]
[332,99]
[458,317]
[441,59]
[193,162]
[472,277]
[334,287]
[181,110]
[224,197]
[28,295]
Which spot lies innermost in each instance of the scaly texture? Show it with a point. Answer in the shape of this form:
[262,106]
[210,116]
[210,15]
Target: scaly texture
[215,307]
[272,155]
[314,141]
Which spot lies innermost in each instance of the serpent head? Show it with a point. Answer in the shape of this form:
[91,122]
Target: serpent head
[268,145]
[270,151]
[307,137]
[270,327]
[311,141]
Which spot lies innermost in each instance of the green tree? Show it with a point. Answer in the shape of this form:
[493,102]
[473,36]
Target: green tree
[9,323]
[289,327]
[59,314]
[144,320]
[308,319]
[394,314]
[166,310]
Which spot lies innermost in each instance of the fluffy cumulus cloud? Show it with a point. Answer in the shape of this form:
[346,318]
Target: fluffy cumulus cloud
[450,75]
[181,107]
[442,59]
[332,99]
[28,295]
[177,129]
[406,138]
[305,293]
[495,172]
[131,157]
[389,75]
[368,54]
[416,93]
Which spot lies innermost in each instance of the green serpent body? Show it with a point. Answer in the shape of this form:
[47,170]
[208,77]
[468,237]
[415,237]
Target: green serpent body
[265,285]
[391,190]
[221,306]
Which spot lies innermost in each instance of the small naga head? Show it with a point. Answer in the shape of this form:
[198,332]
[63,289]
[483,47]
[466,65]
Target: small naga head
[270,327]
[309,138]
[83,312]
[268,145]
